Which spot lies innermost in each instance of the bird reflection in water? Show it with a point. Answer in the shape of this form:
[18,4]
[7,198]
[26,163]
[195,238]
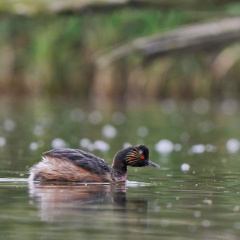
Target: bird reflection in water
[57,202]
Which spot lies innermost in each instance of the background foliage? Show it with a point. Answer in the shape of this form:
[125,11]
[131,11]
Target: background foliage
[55,55]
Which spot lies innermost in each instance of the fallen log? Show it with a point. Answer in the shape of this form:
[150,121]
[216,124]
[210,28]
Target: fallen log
[205,36]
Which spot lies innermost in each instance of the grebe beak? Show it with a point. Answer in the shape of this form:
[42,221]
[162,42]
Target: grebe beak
[150,163]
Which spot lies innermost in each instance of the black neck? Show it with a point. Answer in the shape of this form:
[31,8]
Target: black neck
[119,169]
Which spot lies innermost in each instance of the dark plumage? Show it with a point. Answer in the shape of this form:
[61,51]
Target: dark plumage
[83,159]
[76,165]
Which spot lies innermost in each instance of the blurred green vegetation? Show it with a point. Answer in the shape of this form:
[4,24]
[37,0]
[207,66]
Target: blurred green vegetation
[55,55]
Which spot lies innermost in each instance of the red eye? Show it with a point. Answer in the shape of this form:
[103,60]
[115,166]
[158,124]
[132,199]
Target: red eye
[142,157]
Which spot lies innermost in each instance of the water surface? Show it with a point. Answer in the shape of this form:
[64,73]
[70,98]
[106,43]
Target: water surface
[169,203]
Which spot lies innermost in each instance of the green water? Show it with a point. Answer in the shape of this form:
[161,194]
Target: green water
[165,203]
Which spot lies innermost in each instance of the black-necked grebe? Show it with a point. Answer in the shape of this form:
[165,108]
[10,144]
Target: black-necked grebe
[75,165]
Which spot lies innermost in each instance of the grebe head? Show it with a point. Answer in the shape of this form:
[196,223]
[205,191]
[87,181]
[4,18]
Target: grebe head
[135,156]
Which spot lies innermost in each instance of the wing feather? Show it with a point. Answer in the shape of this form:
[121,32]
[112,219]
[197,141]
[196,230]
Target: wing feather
[83,159]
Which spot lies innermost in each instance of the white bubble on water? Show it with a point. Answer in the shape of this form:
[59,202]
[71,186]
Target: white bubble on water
[85,142]
[169,205]
[91,147]
[77,115]
[185,167]
[126,145]
[206,223]
[142,131]
[198,149]
[201,106]
[164,146]
[33,146]
[109,131]
[38,130]
[9,125]
[177,147]
[95,117]
[210,148]
[58,143]
[224,160]
[236,208]
[207,201]
[157,208]
[197,214]
[233,145]
[118,118]
[2,141]
[101,146]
